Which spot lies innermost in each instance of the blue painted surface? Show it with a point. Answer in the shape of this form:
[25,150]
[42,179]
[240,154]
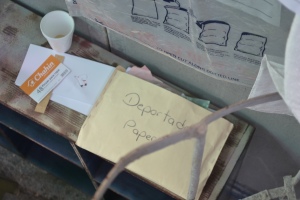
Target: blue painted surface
[5,142]
[38,134]
[126,184]
[54,154]
[51,162]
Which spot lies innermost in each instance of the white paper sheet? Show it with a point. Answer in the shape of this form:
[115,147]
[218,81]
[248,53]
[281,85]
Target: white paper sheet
[293,5]
[270,79]
[286,79]
[267,10]
[81,107]
[292,69]
[80,89]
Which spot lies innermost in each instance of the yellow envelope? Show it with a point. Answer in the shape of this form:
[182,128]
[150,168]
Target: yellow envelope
[131,112]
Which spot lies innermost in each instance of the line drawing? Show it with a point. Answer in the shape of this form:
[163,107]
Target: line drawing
[171,1]
[253,8]
[145,8]
[82,80]
[214,32]
[177,16]
[268,2]
[250,43]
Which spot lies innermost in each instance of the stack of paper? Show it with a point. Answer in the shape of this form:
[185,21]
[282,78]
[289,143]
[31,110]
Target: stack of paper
[80,89]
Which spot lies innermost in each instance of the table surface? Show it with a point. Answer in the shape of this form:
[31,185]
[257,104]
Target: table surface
[20,28]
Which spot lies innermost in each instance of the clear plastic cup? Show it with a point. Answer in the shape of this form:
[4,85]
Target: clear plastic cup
[58,28]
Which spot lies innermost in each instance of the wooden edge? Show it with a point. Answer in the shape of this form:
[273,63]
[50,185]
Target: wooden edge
[59,57]
[233,160]
[120,68]
[84,165]
[41,107]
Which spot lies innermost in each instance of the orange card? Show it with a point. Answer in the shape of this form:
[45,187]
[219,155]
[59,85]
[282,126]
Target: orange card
[45,78]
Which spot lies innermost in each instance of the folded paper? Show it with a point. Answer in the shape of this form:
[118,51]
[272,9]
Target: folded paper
[131,112]
[270,79]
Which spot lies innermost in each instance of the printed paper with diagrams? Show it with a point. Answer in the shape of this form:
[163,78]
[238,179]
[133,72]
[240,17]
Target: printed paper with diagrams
[251,44]
[177,16]
[221,38]
[214,32]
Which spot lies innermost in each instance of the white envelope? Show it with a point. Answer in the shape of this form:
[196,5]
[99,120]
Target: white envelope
[80,89]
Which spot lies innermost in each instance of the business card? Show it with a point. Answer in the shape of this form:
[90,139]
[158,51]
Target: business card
[45,78]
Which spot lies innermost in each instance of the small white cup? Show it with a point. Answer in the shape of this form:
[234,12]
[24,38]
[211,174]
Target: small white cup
[58,28]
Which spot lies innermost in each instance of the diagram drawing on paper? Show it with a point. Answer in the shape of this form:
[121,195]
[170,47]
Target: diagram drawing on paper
[82,80]
[145,8]
[214,32]
[177,16]
[250,43]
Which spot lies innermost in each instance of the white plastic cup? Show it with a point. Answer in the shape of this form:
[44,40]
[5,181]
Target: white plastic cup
[58,28]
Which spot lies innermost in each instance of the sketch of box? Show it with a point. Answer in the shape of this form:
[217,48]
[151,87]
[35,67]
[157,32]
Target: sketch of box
[214,32]
[250,43]
[145,8]
[177,17]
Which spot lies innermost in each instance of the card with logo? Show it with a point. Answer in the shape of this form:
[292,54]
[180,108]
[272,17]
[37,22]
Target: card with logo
[45,78]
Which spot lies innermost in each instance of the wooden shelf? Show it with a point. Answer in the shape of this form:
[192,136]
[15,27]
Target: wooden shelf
[128,185]
[51,162]
[40,135]
[5,142]
[48,140]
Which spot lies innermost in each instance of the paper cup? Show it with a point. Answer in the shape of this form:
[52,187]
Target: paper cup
[58,27]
